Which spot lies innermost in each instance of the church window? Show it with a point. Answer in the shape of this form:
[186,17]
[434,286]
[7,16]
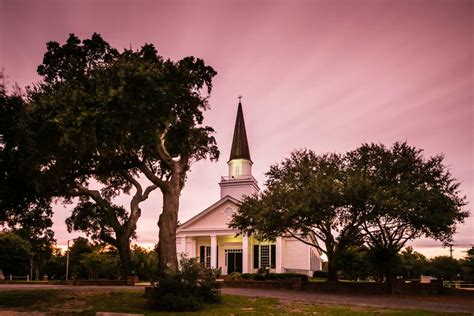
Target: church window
[228,212]
[205,255]
[264,256]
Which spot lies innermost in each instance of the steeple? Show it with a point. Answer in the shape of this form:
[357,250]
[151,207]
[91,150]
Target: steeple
[239,181]
[240,145]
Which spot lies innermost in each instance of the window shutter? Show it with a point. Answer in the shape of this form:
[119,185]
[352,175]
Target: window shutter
[273,256]
[217,257]
[255,256]
[202,254]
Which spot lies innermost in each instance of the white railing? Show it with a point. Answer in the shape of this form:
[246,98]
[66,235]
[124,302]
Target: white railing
[232,178]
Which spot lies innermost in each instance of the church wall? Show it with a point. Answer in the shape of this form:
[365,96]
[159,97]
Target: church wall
[215,219]
[237,191]
[295,255]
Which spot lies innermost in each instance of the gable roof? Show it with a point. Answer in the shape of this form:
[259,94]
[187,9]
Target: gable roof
[208,210]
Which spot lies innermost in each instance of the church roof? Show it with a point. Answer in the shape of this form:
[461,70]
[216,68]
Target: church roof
[240,145]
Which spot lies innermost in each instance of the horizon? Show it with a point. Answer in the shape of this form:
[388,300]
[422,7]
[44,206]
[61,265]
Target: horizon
[321,75]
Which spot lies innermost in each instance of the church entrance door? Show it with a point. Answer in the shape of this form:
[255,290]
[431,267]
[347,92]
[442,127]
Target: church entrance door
[234,261]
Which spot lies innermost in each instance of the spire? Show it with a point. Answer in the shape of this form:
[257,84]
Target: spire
[240,145]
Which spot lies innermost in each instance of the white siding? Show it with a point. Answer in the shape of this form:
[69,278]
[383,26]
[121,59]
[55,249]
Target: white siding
[295,255]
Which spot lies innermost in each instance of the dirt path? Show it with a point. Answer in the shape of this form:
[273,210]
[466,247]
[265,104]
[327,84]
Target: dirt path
[434,303]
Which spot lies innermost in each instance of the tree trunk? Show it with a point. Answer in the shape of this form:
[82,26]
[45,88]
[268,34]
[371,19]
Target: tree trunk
[332,268]
[168,221]
[123,247]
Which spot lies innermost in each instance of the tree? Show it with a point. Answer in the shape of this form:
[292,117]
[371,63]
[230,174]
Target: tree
[100,264]
[101,117]
[352,263]
[145,263]
[15,254]
[22,209]
[407,197]
[468,264]
[305,198]
[444,267]
[80,247]
[413,262]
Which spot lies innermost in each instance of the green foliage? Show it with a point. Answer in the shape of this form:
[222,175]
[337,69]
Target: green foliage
[468,264]
[320,274]
[15,254]
[55,267]
[409,196]
[144,263]
[379,196]
[444,267]
[267,276]
[22,209]
[80,247]
[106,117]
[414,263]
[187,289]
[101,265]
[352,263]
[235,276]
[306,194]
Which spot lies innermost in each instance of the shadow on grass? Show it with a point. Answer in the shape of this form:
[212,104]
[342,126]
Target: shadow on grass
[88,302]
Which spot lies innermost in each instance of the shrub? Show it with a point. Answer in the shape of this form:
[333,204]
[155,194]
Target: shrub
[287,276]
[187,289]
[235,276]
[246,276]
[258,277]
[320,274]
[273,276]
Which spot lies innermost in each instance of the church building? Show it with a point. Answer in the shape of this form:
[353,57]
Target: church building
[208,237]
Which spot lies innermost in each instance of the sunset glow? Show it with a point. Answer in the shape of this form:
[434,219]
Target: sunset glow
[325,75]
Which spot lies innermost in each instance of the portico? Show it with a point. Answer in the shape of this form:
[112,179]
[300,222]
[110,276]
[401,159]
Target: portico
[232,253]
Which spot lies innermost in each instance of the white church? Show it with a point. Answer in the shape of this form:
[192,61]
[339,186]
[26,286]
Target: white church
[208,237]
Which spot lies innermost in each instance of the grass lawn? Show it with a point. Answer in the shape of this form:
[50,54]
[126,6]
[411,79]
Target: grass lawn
[91,301]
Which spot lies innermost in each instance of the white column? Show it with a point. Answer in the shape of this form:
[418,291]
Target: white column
[193,253]
[279,255]
[245,254]
[214,251]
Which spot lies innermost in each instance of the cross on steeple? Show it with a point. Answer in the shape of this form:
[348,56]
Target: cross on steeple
[240,98]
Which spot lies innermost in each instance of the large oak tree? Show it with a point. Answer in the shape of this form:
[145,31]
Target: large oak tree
[408,196]
[103,120]
[305,198]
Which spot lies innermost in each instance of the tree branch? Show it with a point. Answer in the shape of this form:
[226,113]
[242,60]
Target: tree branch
[306,242]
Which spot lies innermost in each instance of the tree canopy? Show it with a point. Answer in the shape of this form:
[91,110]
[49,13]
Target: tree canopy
[376,195]
[101,121]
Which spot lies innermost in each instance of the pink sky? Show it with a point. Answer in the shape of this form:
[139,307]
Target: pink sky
[326,75]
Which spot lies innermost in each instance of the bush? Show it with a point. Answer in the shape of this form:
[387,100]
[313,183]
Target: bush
[246,276]
[286,276]
[187,289]
[272,276]
[320,274]
[259,276]
[235,276]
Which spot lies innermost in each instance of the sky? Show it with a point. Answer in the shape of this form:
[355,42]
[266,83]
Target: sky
[323,75]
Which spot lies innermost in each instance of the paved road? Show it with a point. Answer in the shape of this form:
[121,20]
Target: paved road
[435,303]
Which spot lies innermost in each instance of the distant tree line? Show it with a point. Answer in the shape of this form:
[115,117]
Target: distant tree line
[356,263]
[87,260]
